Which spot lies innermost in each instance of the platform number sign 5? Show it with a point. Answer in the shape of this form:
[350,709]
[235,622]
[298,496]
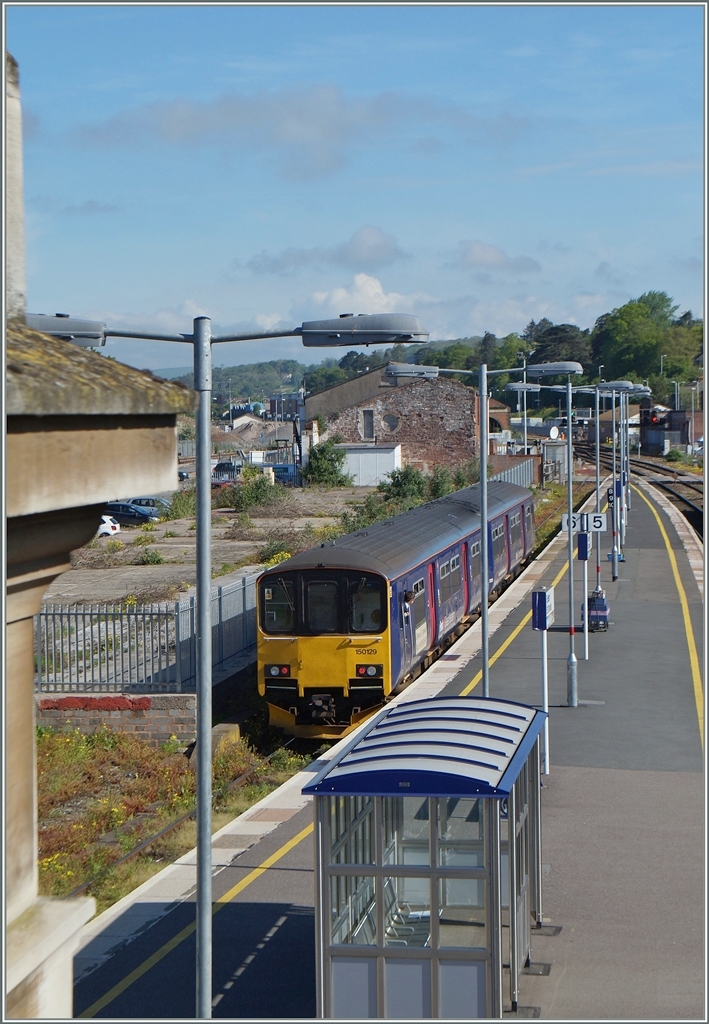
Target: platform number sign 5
[585,522]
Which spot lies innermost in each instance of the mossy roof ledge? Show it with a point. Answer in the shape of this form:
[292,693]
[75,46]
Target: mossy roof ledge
[50,377]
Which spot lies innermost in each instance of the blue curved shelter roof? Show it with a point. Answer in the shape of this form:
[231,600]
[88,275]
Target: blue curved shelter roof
[441,746]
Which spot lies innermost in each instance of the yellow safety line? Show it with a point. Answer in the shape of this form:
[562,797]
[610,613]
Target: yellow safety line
[689,632]
[175,941]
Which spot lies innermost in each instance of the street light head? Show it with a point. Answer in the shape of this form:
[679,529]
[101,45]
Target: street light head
[87,333]
[365,329]
[617,385]
[553,369]
[535,388]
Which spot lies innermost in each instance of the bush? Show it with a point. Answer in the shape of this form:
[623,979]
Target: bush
[675,455]
[439,483]
[151,557]
[272,548]
[325,465]
[114,545]
[183,504]
[142,539]
[406,483]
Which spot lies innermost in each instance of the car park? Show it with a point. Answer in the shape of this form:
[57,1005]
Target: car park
[108,526]
[128,514]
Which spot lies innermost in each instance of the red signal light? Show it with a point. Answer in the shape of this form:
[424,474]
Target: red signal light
[285,670]
[361,670]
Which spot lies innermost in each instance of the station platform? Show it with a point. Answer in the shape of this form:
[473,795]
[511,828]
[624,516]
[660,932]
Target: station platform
[622,822]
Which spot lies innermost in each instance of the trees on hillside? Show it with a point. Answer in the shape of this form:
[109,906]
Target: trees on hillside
[633,341]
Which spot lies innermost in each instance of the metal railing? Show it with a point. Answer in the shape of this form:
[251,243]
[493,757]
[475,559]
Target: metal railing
[147,649]
[522,474]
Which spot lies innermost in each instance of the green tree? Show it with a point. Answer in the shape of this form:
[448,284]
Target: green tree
[325,465]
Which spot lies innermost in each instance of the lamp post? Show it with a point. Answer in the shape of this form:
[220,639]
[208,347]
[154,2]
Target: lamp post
[348,330]
[536,370]
[662,359]
[568,369]
[523,388]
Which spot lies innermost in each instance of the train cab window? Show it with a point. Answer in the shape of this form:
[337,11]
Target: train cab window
[365,606]
[444,575]
[455,574]
[322,606]
[279,607]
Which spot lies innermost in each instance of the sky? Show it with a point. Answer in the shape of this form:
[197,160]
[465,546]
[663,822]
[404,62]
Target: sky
[480,166]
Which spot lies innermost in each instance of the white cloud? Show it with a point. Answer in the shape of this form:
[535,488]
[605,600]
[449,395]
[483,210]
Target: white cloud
[368,249]
[313,129]
[367,295]
[479,255]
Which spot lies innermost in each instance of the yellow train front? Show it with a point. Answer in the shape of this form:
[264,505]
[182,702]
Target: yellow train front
[323,646]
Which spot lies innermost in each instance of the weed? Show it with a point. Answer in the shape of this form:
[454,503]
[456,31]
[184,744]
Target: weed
[227,567]
[280,556]
[114,545]
[151,557]
[142,539]
[148,527]
[192,526]
[170,533]
[183,504]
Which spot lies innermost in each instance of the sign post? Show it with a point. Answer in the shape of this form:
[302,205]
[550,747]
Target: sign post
[542,619]
[585,543]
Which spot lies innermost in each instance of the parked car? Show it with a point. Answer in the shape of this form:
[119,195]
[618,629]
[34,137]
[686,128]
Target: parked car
[182,475]
[108,527]
[128,514]
[161,504]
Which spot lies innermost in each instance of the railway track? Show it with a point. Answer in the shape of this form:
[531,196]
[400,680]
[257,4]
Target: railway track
[686,494]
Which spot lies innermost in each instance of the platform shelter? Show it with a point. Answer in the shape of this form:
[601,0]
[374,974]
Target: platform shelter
[413,863]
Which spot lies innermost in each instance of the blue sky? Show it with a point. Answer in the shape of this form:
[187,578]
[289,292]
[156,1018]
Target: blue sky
[478,165]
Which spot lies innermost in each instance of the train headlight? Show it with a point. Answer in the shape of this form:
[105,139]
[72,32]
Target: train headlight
[277,670]
[369,671]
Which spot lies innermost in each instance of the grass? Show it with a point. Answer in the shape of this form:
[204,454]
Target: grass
[100,795]
[549,506]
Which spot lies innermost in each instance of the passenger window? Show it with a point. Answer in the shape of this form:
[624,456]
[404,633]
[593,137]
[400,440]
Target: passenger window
[322,607]
[279,607]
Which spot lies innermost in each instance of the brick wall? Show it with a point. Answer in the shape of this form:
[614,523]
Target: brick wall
[432,420]
[153,718]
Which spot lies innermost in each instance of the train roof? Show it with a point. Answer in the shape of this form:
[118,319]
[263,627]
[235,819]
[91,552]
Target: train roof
[397,544]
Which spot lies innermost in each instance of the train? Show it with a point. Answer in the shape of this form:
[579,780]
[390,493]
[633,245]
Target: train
[343,627]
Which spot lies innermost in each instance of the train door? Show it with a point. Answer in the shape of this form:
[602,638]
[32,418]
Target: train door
[465,575]
[419,620]
[432,602]
[475,581]
[528,528]
[407,604]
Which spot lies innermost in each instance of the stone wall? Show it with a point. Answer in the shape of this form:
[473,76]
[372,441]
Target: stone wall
[154,718]
[432,420]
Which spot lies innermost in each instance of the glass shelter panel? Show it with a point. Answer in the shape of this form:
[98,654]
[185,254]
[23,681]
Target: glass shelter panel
[351,830]
[461,833]
[352,911]
[407,911]
[462,909]
[406,830]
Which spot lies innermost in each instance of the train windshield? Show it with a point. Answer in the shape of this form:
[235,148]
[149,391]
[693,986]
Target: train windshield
[320,601]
